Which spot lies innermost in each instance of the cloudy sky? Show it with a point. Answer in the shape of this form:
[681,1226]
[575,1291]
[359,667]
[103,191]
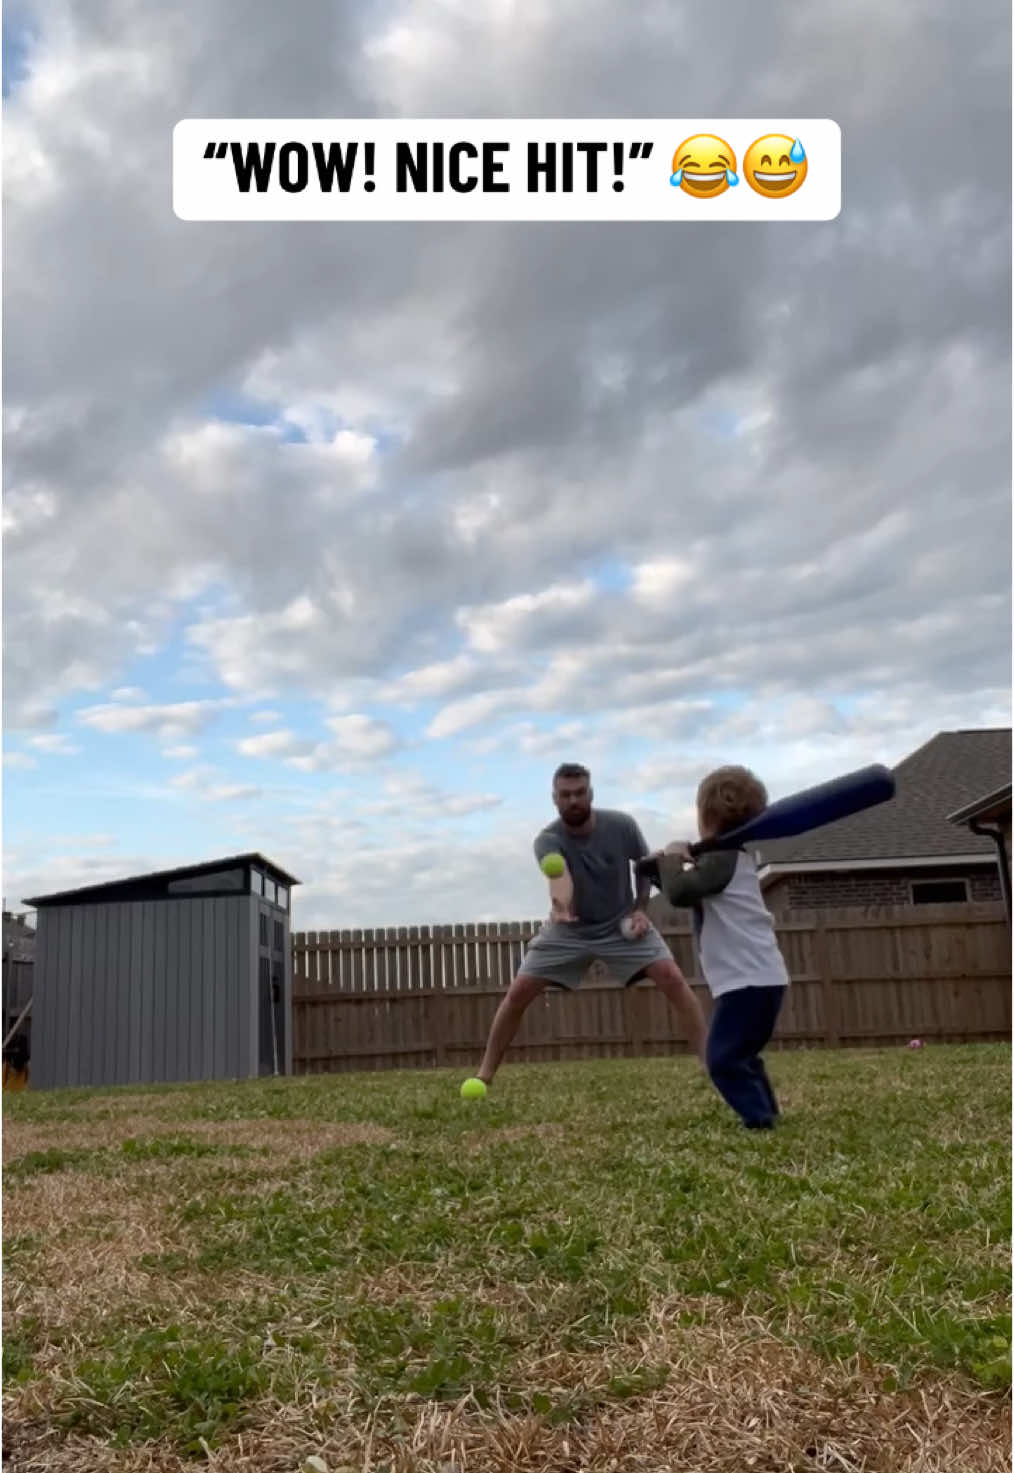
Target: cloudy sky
[332,541]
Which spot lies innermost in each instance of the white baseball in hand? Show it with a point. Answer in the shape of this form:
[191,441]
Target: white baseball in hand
[628,928]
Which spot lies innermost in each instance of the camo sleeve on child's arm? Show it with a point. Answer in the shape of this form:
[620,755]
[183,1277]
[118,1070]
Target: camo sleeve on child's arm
[709,876]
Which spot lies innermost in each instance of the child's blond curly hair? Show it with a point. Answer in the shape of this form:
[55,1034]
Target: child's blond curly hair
[728,797]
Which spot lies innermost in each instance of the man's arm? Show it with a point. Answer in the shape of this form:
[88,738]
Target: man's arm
[561,888]
[643,883]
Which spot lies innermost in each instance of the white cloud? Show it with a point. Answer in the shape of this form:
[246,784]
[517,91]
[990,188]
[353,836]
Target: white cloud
[470,711]
[519,621]
[27,509]
[195,777]
[661,582]
[432,682]
[535,741]
[362,736]
[54,744]
[358,742]
[183,718]
[410,799]
[258,653]
[273,744]
[231,793]
[201,783]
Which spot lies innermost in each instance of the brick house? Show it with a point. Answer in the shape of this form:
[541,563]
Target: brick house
[991,815]
[907,851]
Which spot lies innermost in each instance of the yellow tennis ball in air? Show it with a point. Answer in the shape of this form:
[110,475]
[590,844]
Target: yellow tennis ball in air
[553,866]
[473,1089]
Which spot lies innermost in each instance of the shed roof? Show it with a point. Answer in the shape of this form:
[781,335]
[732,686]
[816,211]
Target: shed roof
[112,890]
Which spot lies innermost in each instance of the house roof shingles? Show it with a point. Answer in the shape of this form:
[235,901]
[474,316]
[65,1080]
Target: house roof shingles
[990,808]
[951,770]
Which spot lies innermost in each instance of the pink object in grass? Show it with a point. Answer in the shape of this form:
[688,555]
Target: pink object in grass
[916,1043]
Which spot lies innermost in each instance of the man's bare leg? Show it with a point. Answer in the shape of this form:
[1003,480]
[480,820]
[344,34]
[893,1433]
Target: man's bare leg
[520,995]
[668,978]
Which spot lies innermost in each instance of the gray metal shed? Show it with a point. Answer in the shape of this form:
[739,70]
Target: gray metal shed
[166,977]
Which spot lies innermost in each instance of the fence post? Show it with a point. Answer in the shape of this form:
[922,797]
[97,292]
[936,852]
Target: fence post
[633,1018]
[437,1009]
[822,954]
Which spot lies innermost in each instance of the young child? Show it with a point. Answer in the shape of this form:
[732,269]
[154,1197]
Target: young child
[740,958]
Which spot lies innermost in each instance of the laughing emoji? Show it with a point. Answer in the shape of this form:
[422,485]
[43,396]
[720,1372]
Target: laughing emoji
[704,166]
[775,165]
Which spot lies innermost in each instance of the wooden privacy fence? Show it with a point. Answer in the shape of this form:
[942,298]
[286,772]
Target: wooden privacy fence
[425,996]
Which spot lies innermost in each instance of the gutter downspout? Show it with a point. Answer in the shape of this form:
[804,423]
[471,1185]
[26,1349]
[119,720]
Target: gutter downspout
[986,831]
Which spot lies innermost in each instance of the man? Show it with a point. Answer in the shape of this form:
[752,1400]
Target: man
[599,847]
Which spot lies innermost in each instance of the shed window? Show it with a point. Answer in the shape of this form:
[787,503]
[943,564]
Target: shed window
[939,892]
[222,879]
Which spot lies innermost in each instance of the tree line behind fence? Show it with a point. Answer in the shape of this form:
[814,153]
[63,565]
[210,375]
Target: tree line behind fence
[423,996]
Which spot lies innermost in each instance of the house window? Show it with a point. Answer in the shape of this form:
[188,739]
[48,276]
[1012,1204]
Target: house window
[939,892]
[269,891]
[264,929]
[283,897]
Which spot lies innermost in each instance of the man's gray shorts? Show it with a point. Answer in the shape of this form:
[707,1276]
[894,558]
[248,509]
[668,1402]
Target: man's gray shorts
[556,957]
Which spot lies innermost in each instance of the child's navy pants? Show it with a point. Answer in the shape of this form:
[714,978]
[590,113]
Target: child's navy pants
[741,1026]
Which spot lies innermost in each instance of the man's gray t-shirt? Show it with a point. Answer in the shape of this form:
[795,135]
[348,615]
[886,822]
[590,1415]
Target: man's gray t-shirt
[599,864]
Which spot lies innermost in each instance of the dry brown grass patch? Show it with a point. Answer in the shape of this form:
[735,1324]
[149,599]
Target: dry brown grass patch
[78,1279]
[737,1401]
[23,1136]
[299,1139]
[140,1102]
[93,1271]
[490,1139]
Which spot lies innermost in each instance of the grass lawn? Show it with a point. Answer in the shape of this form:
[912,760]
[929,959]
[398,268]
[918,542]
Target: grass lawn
[593,1269]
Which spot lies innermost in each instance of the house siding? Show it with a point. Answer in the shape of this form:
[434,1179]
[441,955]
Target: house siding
[861,888]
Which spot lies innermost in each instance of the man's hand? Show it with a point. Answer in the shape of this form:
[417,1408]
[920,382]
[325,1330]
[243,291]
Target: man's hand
[561,913]
[638,924]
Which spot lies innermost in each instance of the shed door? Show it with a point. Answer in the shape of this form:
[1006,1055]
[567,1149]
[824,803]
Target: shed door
[271,993]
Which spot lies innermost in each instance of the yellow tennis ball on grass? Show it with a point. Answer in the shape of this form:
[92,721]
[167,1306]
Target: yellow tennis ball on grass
[553,866]
[473,1089]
